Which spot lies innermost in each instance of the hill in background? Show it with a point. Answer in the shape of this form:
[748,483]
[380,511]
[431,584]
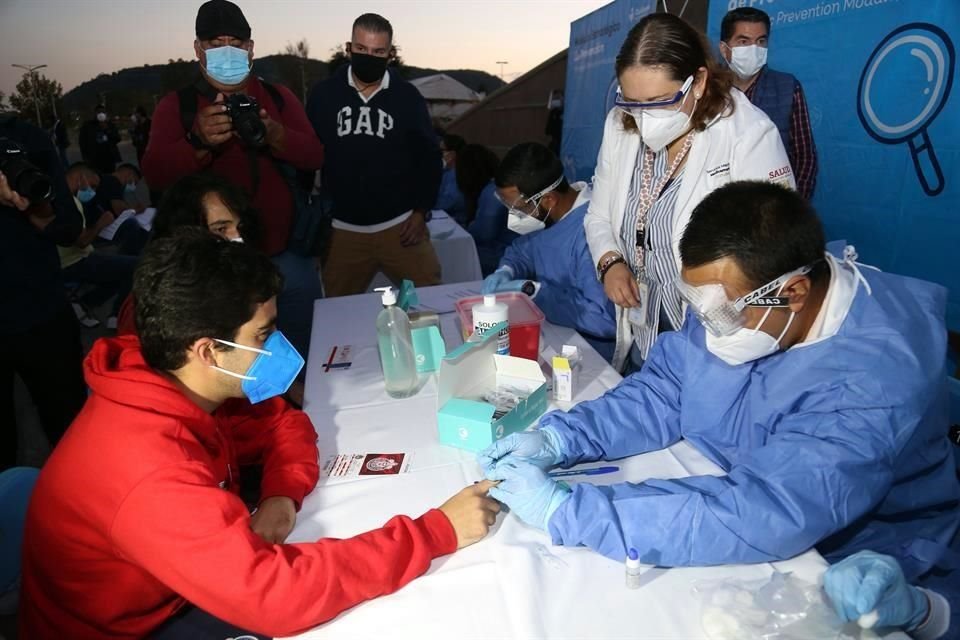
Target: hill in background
[125,89]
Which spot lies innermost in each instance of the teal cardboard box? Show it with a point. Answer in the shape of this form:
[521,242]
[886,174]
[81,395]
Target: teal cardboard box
[464,419]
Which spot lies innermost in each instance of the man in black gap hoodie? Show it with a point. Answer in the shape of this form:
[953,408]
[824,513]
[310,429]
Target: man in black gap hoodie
[382,166]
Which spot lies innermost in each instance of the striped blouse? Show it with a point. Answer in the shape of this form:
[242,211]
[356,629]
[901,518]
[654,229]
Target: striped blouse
[664,310]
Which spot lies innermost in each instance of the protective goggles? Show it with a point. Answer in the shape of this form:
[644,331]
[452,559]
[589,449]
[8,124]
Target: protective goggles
[636,108]
[722,316]
[529,202]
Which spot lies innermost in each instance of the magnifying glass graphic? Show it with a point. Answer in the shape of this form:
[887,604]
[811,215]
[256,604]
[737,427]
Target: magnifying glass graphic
[903,87]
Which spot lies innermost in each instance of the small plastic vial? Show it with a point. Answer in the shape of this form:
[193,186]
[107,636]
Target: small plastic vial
[633,569]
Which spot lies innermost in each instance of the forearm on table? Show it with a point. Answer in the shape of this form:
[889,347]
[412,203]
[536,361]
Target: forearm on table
[205,541]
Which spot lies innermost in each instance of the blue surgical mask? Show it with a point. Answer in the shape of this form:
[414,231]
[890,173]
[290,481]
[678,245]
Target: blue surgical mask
[272,371]
[86,194]
[228,65]
[130,187]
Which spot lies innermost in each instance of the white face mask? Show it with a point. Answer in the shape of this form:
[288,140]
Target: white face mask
[746,345]
[524,224]
[660,127]
[747,61]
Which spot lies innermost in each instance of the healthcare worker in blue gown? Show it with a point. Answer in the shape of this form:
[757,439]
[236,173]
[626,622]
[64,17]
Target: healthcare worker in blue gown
[550,261]
[818,386]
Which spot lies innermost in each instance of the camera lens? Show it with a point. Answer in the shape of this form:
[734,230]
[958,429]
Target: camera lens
[245,113]
[26,179]
[34,186]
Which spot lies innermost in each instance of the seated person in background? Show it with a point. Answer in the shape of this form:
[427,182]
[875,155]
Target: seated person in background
[121,187]
[111,275]
[818,387]
[135,528]
[487,218]
[101,194]
[209,201]
[449,198]
[553,264]
[203,200]
[118,190]
[117,193]
[870,588]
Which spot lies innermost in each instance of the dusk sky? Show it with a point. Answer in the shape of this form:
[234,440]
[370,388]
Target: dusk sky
[78,39]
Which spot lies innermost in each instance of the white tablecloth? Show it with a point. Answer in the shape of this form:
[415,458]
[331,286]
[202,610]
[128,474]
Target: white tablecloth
[514,583]
[455,249]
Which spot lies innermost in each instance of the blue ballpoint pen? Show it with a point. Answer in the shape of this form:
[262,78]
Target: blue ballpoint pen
[583,472]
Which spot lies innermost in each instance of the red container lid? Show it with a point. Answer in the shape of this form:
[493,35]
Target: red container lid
[521,310]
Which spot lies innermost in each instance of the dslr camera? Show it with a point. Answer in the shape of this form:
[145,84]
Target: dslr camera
[245,113]
[22,176]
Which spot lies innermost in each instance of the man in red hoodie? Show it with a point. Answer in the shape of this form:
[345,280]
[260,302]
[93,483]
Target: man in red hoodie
[135,527]
[194,130]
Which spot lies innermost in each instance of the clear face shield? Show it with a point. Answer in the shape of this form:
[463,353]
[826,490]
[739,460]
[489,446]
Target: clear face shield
[722,316]
[528,206]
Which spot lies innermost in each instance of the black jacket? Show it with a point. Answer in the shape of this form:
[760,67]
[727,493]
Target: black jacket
[29,262]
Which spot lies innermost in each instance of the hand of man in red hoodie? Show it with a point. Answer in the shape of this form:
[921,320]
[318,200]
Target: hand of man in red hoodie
[274,519]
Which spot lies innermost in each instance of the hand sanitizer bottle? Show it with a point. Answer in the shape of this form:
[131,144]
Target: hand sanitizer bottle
[396,348]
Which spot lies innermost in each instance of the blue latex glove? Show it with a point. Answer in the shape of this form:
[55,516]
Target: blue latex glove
[540,447]
[527,490]
[866,581]
[501,280]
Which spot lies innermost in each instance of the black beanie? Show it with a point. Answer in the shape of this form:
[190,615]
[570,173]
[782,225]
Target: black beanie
[221,18]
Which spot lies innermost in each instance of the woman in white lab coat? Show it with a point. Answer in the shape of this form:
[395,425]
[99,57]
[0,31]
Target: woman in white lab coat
[678,131]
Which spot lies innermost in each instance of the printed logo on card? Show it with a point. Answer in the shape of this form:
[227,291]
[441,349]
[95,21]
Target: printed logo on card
[340,357]
[464,433]
[381,464]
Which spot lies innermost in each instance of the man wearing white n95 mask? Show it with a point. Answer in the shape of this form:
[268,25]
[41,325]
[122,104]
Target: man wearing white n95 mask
[744,35]
[551,261]
[818,386]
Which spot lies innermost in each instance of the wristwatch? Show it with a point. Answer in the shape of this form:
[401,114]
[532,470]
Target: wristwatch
[528,288]
[603,267]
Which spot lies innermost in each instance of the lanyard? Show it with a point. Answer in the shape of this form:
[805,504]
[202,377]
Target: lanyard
[650,194]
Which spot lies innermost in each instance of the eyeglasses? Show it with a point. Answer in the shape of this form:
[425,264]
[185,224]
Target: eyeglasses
[532,202]
[722,316]
[636,108]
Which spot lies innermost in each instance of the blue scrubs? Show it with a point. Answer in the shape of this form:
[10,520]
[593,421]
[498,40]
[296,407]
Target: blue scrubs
[570,294]
[837,443]
[489,229]
[450,198]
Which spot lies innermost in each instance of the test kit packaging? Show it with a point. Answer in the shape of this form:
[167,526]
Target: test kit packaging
[474,370]
[566,367]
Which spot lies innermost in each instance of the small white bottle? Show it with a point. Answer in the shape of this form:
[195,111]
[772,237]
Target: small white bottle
[490,314]
[396,348]
[633,569]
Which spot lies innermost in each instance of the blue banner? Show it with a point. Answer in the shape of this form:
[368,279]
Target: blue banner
[879,77]
[595,40]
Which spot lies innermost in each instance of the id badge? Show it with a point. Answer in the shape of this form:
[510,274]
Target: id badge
[637,316]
